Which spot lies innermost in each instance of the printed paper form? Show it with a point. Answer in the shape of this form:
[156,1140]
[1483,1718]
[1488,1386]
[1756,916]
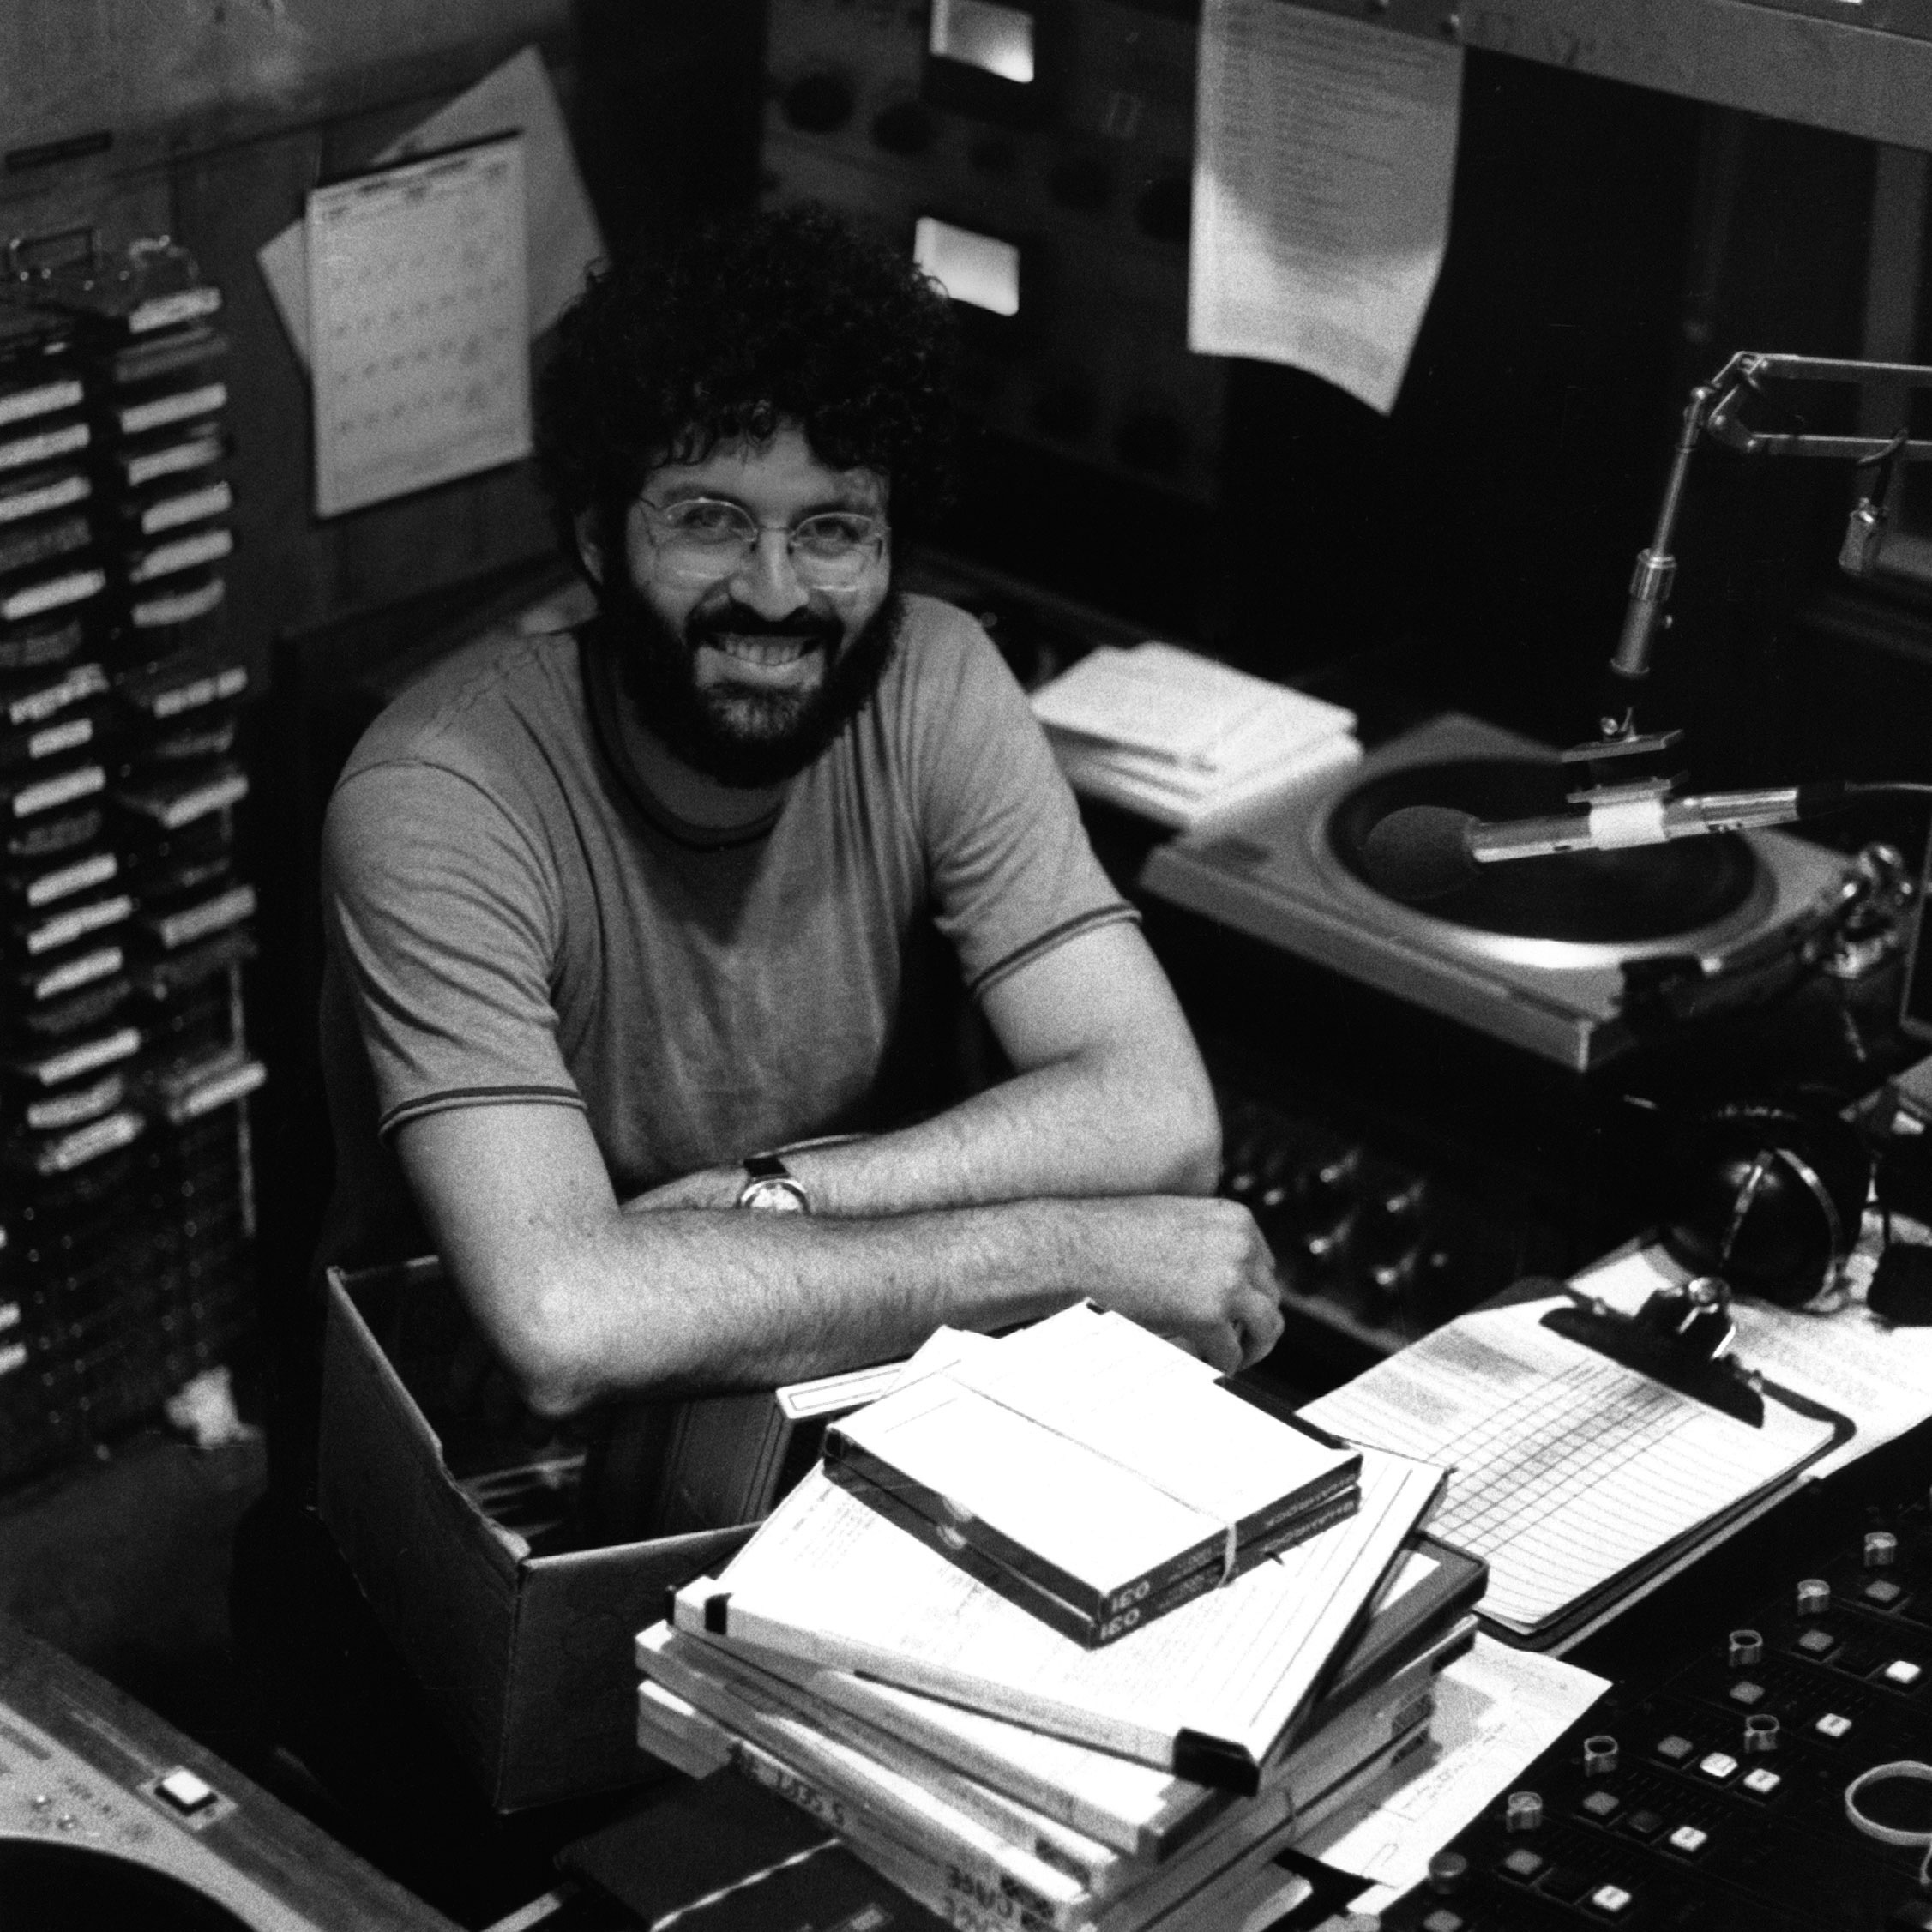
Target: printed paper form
[1495,1710]
[1566,1468]
[1323,159]
[829,1580]
[1848,1359]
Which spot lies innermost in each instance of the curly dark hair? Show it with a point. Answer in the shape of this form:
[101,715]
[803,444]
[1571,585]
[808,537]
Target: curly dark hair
[785,317]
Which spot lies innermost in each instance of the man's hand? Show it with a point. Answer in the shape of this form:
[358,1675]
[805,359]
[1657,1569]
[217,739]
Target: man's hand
[1198,1271]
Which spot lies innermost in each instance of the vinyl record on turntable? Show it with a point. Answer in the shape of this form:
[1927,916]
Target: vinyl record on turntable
[1531,951]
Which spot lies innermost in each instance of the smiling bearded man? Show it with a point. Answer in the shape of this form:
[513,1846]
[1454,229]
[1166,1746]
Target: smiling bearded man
[617,919]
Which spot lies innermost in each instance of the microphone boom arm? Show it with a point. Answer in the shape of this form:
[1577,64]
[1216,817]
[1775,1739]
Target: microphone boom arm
[1713,410]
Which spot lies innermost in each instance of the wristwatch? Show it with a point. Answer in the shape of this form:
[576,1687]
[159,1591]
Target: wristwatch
[771,1185]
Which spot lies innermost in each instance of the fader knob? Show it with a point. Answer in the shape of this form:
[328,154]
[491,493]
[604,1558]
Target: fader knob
[1881,1549]
[1814,1597]
[1746,1646]
[1522,1811]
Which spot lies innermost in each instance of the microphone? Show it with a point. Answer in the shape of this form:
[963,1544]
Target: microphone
[1421,852]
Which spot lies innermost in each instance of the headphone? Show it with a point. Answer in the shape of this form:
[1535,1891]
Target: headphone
[1774,1197]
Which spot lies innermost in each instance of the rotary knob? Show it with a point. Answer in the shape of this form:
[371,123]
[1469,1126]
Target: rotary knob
[1746,1646]
[1599,1755]
[1881,1549]
[1761,1733]
[1522,1811]
[1814,1597]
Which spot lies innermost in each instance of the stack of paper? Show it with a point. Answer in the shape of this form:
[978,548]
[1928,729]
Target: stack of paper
[1000,1773]
[1182,739]
[1090,1472]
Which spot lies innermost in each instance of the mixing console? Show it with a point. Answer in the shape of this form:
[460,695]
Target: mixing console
[1707,1790]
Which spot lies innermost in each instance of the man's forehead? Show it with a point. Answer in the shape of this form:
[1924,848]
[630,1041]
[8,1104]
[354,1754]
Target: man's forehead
[783,463]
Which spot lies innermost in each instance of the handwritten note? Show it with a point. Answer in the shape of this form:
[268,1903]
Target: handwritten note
[1324,153]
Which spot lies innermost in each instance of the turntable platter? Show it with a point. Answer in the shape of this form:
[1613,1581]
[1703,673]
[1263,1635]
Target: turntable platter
[1633,897]
[54,1887]
[1536,954]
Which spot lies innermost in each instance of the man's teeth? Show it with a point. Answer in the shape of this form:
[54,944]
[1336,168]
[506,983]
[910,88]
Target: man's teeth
[763,650]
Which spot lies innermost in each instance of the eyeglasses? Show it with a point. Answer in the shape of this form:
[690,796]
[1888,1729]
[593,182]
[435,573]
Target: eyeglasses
[702,537]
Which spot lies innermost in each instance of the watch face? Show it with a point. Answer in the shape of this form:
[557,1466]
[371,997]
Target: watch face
[776,1197]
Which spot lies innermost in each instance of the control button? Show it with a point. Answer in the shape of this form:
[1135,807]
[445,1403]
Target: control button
[1674,1749]
[1165,209]
[1814,1597]
[1745,1692]
[1080,180]
[1522,1811]
[1442,1920]
[1717,1765]
[1761,1783]
[904,127]
[1602,1806]
[1881,1590]
[1687,1840]
[1881,1549]
[1522,1863]
[1599,1755]
[1902,1672]
[820,103]
[1761,1734]
[1745,1647]
[1565,1884]
[1831,1726]
[1643,1824]
[186,1793]
[1817,1643]
[1611,1901]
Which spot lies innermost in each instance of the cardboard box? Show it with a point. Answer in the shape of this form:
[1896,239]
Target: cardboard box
[526,1658]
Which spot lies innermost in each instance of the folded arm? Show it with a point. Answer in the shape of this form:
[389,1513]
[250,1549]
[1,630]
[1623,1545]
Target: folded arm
[1077,1176]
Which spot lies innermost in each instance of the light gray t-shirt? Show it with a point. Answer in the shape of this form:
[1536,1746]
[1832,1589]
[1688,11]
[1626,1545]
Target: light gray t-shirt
[510,916]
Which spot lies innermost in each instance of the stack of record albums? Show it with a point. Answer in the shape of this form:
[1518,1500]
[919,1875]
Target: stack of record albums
[1065,1633]
[125,1187]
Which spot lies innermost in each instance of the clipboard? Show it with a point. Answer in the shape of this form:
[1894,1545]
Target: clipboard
[1654,1344]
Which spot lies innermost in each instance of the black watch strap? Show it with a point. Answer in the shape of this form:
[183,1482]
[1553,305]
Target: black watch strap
[771,1185]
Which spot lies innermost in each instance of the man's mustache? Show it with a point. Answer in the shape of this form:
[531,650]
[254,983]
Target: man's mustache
[735,620]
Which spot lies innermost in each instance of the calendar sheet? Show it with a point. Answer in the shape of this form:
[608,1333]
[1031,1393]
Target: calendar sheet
[418,314]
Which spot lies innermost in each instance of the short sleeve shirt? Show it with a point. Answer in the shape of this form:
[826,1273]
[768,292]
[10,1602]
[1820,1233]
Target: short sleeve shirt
[510,918]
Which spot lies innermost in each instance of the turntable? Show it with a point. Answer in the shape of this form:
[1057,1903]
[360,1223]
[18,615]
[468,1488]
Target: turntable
[1532,952]
[109,1817]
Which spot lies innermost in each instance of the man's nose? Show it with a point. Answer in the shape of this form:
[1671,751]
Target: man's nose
[766,580]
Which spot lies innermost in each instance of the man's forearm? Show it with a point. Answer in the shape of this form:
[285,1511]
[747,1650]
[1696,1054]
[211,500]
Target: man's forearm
[1068,1131]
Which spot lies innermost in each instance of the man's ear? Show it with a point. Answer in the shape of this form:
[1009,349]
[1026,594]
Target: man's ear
[590,551]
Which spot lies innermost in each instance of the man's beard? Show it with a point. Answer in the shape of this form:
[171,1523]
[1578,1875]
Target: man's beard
[739,734]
